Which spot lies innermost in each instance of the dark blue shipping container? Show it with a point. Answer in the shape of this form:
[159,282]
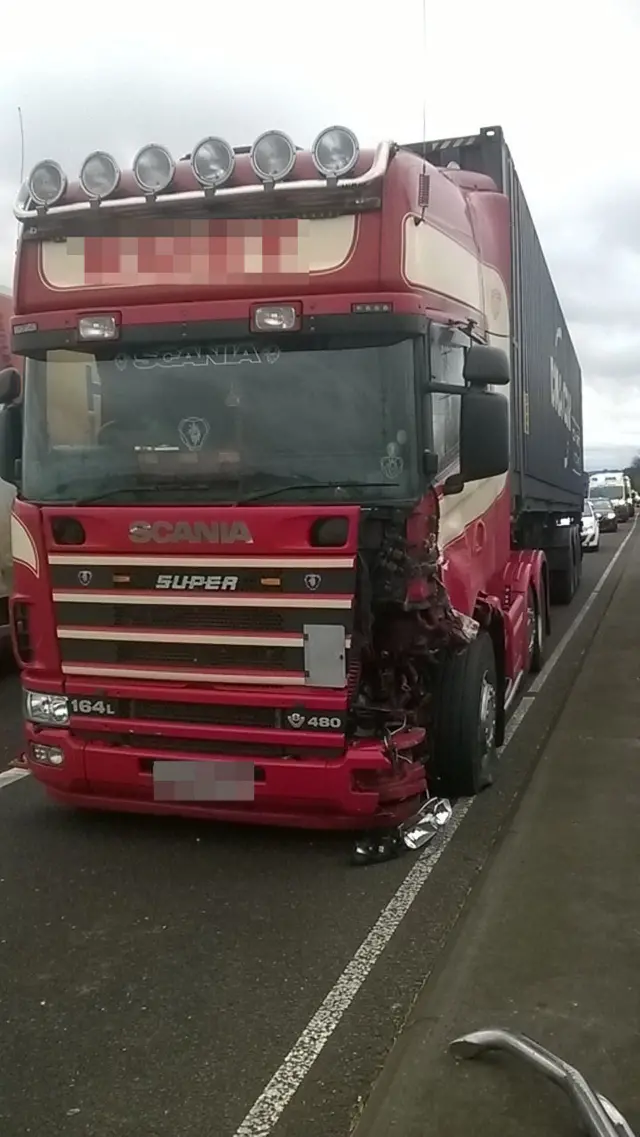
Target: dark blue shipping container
[546,387]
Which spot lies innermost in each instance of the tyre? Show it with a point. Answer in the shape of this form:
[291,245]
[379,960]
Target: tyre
[535,631]
[464,720]
[563,581]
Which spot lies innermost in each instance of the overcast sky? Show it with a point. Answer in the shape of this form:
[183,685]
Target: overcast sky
[559,76]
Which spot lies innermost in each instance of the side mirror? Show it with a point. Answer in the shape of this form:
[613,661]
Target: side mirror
[484,366]
[10,442]
[484,435]
[10,385]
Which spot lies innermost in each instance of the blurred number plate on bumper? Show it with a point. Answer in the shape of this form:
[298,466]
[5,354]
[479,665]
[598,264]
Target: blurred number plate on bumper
[203,781]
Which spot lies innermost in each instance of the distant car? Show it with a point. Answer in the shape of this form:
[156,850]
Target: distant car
[605,515]
[590,535]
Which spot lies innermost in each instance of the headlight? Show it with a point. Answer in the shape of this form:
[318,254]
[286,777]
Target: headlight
[46,710]
[100,175]
[335,151]
[273,156]
[611,516]
[213,162]
[47,183]
[153,169]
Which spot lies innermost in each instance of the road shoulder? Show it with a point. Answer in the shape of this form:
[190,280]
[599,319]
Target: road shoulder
[549,944]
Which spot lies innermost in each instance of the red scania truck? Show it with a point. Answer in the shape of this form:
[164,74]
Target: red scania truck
[299,469]
[7,489]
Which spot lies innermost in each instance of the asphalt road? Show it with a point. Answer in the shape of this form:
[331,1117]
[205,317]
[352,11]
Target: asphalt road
[154,974]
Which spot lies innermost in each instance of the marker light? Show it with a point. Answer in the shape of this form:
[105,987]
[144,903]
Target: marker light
[213,162]
[97,328]
[275,318]
[335,151]
[47,183]
[153,169]
[100,175]
[273,156]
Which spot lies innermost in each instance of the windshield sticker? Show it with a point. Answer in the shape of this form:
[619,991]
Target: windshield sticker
[193,432]
[220,355]
[392,464]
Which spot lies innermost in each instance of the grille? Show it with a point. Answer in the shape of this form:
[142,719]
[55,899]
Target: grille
[196,618]
[197,713]
[206,746]
[217,655]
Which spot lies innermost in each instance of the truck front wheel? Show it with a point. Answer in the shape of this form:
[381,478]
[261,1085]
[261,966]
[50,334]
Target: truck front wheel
[464,720]
[535,628]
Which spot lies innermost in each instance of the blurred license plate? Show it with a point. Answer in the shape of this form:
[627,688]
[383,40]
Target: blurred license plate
[203,781]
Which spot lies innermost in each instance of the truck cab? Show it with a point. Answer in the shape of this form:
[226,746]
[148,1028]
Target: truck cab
[263,528]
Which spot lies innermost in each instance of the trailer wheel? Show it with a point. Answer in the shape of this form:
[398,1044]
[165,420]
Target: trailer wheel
[464,723]
[564,582]
[535,630]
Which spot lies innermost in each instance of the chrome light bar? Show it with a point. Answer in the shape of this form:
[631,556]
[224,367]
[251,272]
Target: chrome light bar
[377,170]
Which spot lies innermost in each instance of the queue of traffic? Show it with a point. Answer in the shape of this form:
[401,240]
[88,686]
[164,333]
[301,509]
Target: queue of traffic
[612,501]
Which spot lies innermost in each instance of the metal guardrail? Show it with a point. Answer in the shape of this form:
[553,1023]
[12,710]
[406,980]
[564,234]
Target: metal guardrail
[599,1116]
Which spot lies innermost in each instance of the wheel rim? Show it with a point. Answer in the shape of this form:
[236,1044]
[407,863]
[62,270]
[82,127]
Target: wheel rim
[487,724]
[532,626]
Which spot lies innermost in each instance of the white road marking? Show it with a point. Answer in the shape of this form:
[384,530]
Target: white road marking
[272,1102]
[9,776]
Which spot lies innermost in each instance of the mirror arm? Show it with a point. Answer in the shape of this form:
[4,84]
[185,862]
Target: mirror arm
[444,388]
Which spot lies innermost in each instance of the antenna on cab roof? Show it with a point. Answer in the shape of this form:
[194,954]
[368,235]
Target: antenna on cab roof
[424,181]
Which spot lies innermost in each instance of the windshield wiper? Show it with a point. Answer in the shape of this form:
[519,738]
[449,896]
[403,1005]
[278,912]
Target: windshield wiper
[260,494]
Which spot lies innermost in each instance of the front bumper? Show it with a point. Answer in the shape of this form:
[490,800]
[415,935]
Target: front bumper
[589,539]
[357,790]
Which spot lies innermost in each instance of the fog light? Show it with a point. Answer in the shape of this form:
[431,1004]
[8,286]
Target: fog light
[98,328]
[276,318]
[47,755]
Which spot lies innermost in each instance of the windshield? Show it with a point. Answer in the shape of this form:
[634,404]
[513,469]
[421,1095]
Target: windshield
[611,493]
[601,505]
[310,420]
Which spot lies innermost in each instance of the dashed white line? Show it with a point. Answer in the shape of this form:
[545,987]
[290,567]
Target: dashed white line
[272,1102]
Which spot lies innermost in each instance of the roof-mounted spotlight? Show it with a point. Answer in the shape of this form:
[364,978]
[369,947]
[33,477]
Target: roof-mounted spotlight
[100,175]
[335,152]
[153,169]
[213,162]
[47,183]
[273,156]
